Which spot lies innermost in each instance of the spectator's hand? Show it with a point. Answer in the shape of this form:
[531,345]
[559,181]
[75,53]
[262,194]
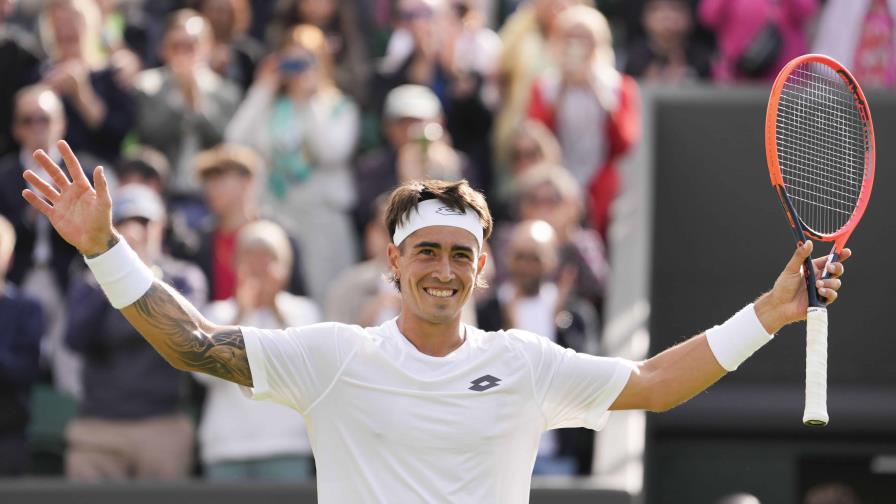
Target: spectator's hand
[68,78]
[184,71]
[220,58]
[268,72]
[125,67]
[80,214]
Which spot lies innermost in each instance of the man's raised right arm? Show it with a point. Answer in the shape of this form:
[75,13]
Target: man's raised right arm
[82,215]
[185,338]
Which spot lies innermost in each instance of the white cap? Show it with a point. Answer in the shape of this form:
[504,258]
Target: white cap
[412,101]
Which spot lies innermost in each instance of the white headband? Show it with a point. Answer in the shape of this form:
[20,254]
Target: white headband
[433,212]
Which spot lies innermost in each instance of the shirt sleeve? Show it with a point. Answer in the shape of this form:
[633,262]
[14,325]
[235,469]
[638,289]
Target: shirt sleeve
[296,366]
[573,389]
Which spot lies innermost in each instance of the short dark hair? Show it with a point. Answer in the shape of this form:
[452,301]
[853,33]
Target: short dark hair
[457,195]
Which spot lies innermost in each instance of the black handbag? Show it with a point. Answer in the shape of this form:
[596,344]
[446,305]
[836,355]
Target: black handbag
[762,52]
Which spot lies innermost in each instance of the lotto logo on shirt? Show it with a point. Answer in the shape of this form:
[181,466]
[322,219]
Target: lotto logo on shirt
[484,383]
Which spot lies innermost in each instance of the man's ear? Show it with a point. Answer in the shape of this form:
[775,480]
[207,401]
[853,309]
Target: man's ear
[480,266]
[393,254]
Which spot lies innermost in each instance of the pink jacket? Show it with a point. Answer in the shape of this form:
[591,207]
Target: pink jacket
[736,22]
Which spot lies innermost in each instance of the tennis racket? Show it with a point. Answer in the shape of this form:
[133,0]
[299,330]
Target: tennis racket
[819,142]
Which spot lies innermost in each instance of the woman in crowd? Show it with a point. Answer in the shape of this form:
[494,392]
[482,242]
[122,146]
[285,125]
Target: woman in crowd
[340,21]
[590,106]
[296,117]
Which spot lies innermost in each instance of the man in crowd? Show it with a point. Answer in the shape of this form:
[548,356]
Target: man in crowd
[42,259]
[23,324]
[131,422]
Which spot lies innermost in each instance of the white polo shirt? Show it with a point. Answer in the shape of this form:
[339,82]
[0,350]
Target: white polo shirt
[390,424]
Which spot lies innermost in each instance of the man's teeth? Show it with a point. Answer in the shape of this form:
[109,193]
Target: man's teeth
[440,292]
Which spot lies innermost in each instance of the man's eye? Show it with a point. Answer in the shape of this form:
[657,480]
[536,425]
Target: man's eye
[427,252]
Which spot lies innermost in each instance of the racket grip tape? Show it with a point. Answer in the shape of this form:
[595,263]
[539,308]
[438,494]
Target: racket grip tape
[816,412]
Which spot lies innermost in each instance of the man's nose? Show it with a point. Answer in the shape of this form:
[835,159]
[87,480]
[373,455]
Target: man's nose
[443,271]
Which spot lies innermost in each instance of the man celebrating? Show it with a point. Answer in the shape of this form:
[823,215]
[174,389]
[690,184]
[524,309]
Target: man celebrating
[422,408]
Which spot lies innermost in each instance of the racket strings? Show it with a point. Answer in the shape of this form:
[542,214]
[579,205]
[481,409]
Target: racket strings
[821,146]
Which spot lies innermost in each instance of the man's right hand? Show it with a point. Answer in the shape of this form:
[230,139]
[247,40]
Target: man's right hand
[80,214]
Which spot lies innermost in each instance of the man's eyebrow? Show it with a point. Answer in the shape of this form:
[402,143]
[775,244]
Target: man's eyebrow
[438,246]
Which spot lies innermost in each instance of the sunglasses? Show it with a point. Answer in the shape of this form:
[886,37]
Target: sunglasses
[30,120]
[295,65]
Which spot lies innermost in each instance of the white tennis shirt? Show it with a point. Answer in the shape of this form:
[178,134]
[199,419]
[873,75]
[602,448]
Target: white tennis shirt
[390,424]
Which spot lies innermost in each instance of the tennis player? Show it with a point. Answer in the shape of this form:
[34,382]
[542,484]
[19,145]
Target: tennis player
[422,408]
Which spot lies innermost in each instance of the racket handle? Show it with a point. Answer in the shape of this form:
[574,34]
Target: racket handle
[816,412]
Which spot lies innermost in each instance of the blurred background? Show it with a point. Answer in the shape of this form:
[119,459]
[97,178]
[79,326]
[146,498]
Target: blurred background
[252,143]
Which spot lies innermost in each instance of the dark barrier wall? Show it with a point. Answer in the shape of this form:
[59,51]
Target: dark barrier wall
[720,239]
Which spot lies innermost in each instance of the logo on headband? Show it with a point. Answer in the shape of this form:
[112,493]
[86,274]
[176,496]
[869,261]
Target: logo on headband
[449,211]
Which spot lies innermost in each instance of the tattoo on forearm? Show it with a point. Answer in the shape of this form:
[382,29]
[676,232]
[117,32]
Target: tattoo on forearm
[221,354]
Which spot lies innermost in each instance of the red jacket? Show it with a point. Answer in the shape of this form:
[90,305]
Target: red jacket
[622,129]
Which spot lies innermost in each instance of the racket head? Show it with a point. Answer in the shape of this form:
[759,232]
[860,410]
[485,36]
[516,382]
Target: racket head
[819,144]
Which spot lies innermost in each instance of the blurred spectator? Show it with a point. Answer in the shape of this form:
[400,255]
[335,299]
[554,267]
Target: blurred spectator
[525,56]
[99,102]
[18,54]
[756,38]
[130,423]
[184,106]
[551,194]
[444,46]
[860,35]
[340,20]
[416,148]
[531,144]
[143,165]
[306,129]
[125,34]
[241,439]
[228,174]
[831,493]
[531,300]
[592,108]
[23,323]
[667,53]
[41,258]
[362,294]
[234,54]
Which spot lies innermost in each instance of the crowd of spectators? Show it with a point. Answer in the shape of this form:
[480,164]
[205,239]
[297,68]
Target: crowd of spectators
[251,144]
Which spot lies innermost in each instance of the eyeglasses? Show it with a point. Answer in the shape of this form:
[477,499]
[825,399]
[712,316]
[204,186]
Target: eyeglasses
[296,65]
[35,119]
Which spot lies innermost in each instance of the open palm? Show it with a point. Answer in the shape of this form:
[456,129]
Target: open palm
[80,214]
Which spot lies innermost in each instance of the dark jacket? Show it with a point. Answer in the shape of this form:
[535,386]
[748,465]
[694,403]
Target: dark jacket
[23,325]
[124,377]
[25,220]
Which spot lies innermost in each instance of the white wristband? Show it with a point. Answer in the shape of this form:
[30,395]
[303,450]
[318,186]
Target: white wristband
[121,274]
[738,338]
